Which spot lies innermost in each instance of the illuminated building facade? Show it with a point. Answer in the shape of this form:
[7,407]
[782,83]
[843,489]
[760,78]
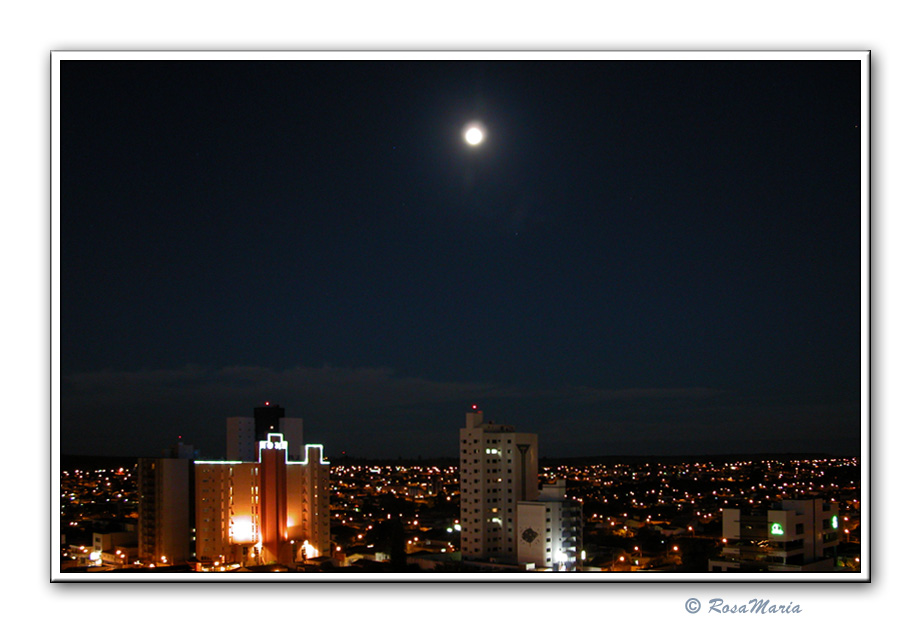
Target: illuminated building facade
[498,468]
[274,509]
[794,535]
[549,530]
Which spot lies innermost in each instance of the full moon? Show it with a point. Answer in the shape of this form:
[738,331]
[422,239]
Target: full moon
[474,135]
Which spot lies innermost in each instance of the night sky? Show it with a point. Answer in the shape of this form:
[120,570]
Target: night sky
[641,258]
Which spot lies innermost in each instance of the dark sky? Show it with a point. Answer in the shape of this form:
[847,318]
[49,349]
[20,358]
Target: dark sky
[642,257]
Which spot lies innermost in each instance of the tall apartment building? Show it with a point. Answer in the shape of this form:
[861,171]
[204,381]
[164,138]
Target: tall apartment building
[268,503]
[550,529]
[243,434]
[274,509]
[165,508]
[793,535]
[498,468]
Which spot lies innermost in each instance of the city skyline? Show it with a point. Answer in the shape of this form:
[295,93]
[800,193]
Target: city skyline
[666,515]
[639,258]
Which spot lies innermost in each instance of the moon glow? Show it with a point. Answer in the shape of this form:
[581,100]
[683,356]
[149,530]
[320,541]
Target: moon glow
[473,135]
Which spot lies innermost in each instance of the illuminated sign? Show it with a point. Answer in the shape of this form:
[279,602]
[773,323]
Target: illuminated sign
[777,528]
[834,522]
[275,441]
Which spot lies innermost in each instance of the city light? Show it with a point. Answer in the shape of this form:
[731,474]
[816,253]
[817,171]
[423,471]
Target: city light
[637,499]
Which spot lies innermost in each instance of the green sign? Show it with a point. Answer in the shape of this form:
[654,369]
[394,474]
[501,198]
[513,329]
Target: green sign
[777,528]
[834,522]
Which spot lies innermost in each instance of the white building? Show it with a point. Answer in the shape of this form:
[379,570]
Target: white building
[498,468]
[549,530]
[794,535]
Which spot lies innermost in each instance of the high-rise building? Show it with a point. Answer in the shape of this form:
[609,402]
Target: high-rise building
[268,504]
[793,535]
[165,508]
[244,434]
[498,468]
[268,419]
[274,509]
[550,529]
